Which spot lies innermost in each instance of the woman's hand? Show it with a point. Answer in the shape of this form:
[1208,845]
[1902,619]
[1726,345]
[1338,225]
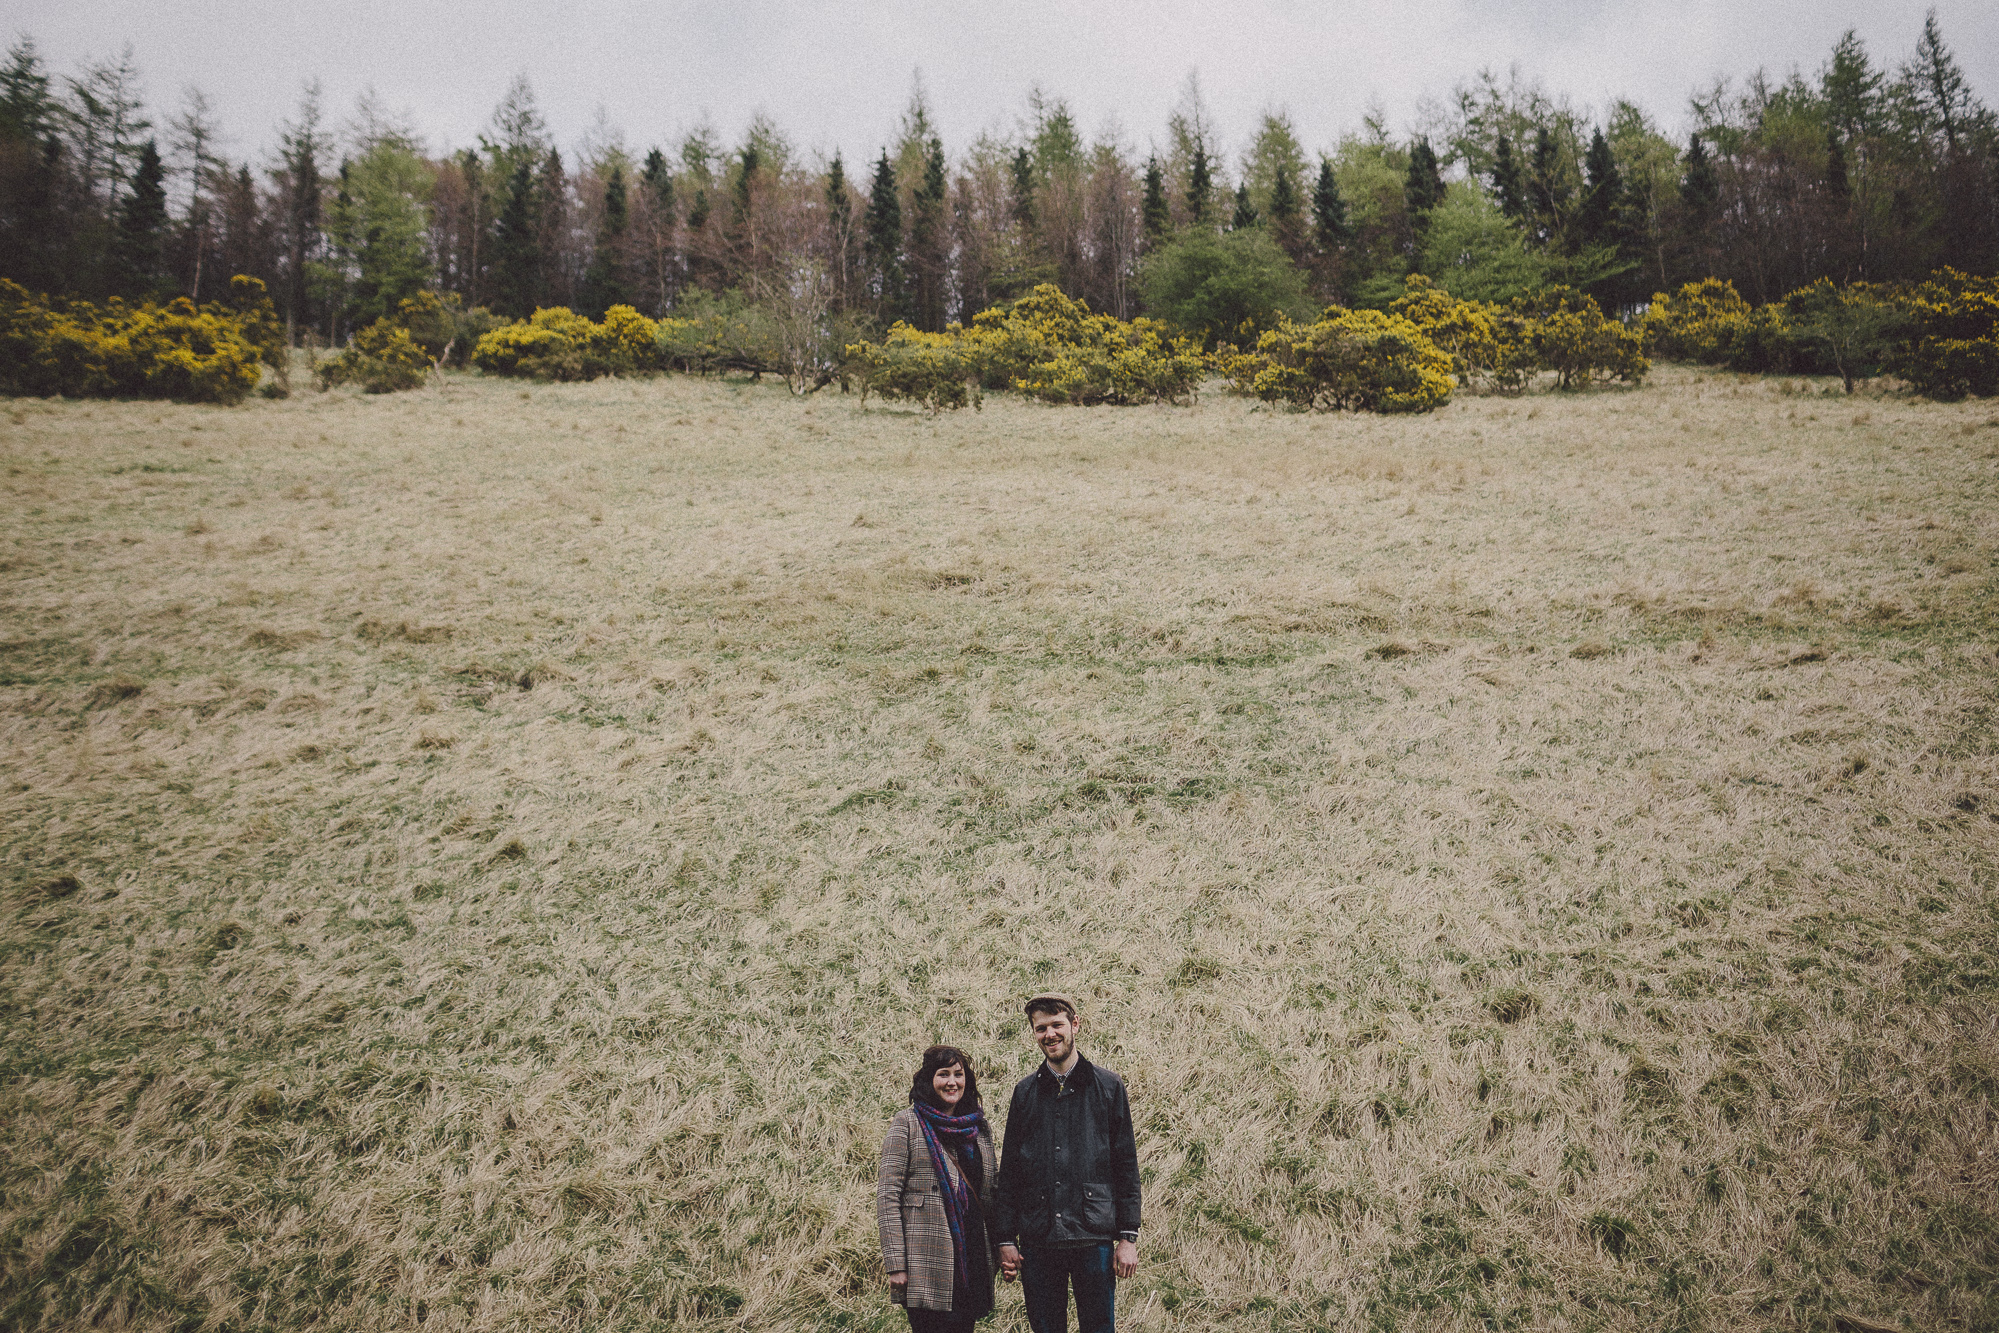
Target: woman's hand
[898,1280]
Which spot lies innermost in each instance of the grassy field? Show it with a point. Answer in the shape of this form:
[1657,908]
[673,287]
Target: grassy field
[490,857]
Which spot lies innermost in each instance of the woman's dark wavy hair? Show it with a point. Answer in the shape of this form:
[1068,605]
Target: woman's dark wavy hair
[943,1057]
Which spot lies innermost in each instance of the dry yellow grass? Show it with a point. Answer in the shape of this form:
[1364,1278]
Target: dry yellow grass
[489,857]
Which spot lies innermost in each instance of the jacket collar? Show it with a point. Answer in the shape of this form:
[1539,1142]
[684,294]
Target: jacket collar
[1080,1077]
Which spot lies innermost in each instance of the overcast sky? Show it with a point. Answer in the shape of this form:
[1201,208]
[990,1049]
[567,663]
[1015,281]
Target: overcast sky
[838,75]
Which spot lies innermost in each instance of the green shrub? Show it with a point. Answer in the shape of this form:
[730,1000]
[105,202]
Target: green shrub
[1223,286]
[118,351]
[912,366]
[440,324]
[1843,329]
[381,358]
[709,334]
[1361,360]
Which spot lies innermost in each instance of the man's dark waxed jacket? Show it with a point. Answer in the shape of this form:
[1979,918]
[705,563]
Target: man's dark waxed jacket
[1069,1171]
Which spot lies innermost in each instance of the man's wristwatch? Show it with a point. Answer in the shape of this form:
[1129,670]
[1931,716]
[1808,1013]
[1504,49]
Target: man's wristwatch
[1131,1236]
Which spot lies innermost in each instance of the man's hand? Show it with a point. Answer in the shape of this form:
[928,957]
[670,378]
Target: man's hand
[1124,1260]
[898,1280]
[1009,1263]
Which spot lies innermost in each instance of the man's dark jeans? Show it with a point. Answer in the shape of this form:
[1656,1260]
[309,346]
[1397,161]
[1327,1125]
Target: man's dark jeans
[1046,1276]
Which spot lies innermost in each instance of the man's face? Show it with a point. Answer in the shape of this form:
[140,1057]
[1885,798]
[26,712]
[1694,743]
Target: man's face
[1055,1034]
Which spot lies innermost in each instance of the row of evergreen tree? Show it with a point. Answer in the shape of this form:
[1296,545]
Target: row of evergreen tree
[1860,172]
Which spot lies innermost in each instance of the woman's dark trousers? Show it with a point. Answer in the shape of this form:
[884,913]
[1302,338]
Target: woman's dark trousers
[939,1321]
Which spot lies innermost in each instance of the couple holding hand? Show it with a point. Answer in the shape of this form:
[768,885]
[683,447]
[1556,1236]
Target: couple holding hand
[1058,1210]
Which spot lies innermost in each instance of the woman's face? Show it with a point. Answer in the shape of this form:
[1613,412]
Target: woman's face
[949,1084]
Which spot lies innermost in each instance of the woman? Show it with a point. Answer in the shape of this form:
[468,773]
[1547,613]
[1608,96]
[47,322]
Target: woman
[936,1181]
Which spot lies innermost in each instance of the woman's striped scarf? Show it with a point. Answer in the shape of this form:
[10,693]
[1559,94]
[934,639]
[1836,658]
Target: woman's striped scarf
[961,1134]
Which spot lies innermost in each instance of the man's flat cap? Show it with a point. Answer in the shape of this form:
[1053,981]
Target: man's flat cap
[1049,999]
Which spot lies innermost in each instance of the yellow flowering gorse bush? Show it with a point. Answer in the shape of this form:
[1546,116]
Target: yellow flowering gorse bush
[559,344]
[1709,322]
[1949,343]
[1941,335]
[1047,345]
[1487,343]
[1359,360]
[909,365]
[123,351]
[381,358]
[1567,332]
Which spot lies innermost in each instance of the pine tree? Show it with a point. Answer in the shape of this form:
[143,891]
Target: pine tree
[657,181]
[1547,192]
[616,213]
[1596,220]
[142,228]
[1937,86]
[746,179]
[1283,196]
[697,252]
[27,110]
[1422,190]
[1200,185]
[1154,209]
[1329,210]
[1837,187]
[104,124]
[660,214]
[32,238]
[1506,184]
[927,241]
[246,236]
[1245,211]
[302,190]
[840,231]
[745,242]
[191,136]
[1852,88]
[1285,224]
[604,283]
[517,247]
[1700,189]
[884,240]
[551,201]
[1700,195]
[1023,188]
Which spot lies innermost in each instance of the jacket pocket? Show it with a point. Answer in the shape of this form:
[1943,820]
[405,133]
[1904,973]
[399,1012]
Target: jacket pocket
[1099,1218]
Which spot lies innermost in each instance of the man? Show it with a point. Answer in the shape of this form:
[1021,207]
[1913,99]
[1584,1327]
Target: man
[1065,1207]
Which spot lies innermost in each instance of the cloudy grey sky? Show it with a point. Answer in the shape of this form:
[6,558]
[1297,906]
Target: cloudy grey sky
[838,75]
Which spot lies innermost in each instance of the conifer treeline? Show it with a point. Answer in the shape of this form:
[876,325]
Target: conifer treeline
[1860,171]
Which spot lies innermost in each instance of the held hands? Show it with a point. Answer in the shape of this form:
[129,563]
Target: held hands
[1124,1261]
[898,1280]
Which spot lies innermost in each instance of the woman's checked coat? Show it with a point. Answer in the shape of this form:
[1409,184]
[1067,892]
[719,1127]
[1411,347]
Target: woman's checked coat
[915,1237]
